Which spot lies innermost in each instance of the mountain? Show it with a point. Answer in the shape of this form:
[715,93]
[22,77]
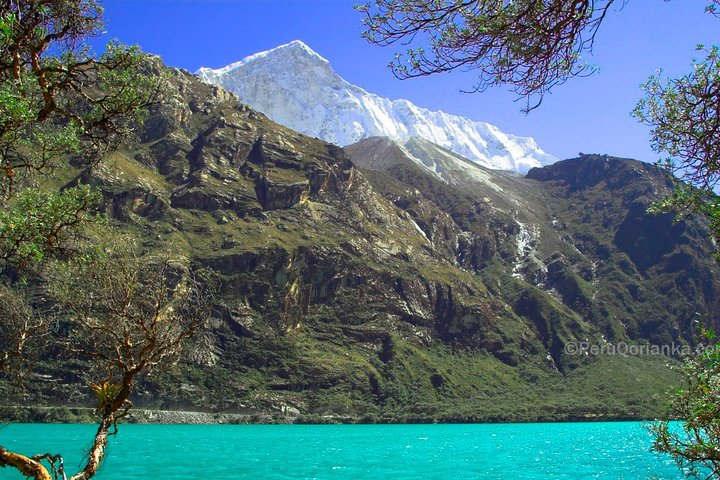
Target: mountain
[359,285]
[296,87]
[382,153]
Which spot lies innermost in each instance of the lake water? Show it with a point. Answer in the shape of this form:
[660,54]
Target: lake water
[617,450]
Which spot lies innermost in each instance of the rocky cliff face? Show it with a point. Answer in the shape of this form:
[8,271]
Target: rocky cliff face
[578,231]
[360,283]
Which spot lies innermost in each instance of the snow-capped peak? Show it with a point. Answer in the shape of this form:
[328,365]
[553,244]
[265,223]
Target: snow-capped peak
[296,87]
[296,48]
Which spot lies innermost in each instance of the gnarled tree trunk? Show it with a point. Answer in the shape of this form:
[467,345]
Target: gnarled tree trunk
[27,466]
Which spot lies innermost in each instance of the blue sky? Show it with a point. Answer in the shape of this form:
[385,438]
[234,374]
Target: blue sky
[590,115]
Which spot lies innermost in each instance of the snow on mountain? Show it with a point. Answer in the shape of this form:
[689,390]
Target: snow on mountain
[382,153]
[296,87]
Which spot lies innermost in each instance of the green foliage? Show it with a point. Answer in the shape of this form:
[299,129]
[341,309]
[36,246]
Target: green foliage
[38,222]
[682,113]
[58,101]
[105,393]
[685,124]
[695,443]
[712,7]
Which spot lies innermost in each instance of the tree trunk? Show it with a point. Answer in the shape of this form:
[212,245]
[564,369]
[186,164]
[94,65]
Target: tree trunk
[97,452]
[27,466]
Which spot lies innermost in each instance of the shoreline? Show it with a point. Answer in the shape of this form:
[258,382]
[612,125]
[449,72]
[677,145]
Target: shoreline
[143,416]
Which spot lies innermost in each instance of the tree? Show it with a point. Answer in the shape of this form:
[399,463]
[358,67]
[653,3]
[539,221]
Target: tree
[684,114]
[534,45]
[685,120]
[695,444]
[58,102]
[21,324]
[61,106]
[530,45]
[135,314]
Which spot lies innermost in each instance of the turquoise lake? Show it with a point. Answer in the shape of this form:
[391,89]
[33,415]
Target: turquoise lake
[618,450]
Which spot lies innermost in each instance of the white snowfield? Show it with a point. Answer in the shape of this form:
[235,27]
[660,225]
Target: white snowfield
[296,87]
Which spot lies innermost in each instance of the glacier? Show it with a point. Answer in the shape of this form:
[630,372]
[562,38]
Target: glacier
[297,88]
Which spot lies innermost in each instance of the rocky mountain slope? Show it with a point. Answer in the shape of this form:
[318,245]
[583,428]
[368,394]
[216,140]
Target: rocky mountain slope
[309,97]
[579,231]
[401,282]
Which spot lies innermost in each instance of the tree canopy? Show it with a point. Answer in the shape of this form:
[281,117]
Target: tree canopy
[684,117]
[58,103]
[695,444]
[529,45]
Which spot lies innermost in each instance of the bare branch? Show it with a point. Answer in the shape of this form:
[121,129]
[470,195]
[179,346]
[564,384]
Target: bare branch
[531,45]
